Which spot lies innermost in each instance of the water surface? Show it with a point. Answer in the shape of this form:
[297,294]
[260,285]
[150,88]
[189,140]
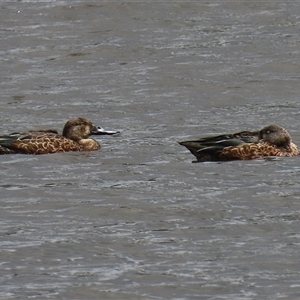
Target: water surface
[137,219]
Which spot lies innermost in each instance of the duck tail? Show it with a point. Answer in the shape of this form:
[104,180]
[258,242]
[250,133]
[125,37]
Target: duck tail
[5,140]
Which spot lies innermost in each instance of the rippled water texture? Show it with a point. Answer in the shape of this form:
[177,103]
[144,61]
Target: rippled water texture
[137,219]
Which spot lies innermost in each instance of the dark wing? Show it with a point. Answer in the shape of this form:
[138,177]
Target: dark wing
[209,150]
[244,136]
[209,147]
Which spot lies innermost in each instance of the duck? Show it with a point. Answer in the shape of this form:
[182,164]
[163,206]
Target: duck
[272,140]
[75,137]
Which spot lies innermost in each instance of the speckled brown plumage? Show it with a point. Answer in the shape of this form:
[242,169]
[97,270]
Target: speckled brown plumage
[75,137]
[258,150]
[272,140]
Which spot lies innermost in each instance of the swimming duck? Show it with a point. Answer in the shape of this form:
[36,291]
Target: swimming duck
[272,140]
[75,137]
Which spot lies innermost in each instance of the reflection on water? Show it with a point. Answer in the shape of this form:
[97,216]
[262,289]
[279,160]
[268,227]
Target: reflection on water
[138,220]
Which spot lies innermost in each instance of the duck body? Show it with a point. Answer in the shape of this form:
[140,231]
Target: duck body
[272,140]
[43,143]
[75,137]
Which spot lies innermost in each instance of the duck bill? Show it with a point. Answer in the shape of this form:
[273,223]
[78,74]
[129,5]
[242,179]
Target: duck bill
[98,130]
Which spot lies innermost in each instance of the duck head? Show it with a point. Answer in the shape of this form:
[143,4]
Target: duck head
[275,135]
[80,128]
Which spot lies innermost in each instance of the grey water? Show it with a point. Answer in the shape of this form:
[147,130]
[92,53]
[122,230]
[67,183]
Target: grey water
[138,219]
